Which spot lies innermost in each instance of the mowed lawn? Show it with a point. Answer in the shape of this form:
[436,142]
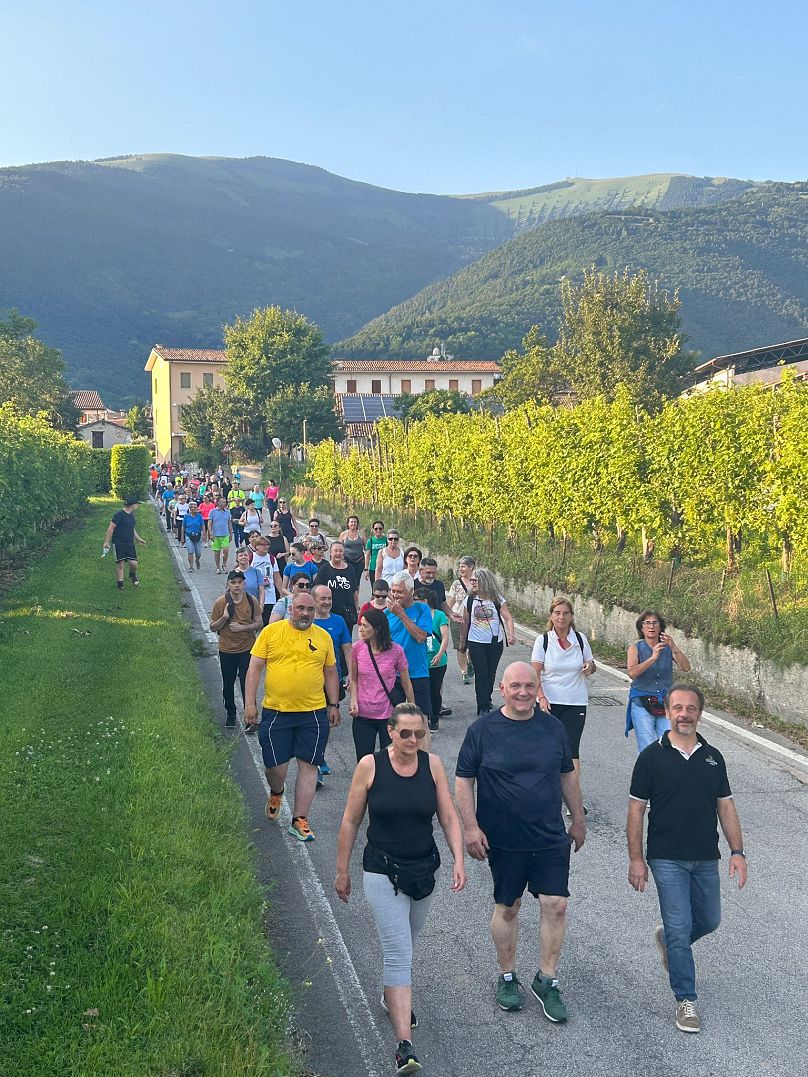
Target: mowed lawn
[131,924]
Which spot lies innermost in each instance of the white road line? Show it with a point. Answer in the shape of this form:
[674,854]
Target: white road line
[349,988]
[713,719]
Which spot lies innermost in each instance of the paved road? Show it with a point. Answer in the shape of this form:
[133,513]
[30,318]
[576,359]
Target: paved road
[752,972]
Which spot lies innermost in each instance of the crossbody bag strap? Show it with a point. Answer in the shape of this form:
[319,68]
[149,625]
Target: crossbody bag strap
[378,674]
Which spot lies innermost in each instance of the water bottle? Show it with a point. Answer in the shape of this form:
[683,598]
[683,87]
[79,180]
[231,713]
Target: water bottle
[105,551]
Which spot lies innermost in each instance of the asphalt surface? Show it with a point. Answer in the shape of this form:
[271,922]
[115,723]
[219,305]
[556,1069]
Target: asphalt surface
[752,977]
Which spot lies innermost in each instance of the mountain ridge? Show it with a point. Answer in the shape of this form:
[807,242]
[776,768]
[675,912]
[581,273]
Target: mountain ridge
[109,256]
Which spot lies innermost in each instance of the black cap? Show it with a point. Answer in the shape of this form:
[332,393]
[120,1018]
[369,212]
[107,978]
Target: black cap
[235,574]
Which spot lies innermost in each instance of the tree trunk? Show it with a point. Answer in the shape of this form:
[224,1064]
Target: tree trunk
[786,552]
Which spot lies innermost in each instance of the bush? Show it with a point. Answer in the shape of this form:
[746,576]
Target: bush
[45,476]
[130,471]
[103,470]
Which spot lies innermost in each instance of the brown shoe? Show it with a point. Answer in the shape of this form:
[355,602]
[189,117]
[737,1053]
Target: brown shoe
[273,808]
[659,939]
[687,1020]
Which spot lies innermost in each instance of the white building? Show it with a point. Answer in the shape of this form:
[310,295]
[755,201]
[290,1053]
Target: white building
[392,377]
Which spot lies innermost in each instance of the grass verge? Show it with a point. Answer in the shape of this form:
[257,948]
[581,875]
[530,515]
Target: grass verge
[132,924]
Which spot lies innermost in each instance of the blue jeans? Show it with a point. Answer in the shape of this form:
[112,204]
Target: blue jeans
[647,728]
[690,902]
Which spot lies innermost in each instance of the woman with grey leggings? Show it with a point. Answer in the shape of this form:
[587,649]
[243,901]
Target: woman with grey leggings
[402,788]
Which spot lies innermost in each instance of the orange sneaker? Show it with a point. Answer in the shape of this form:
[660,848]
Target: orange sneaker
[273,808]
[301,829]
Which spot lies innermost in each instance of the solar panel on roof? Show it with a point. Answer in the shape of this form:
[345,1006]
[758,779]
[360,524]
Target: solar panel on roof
[368,407]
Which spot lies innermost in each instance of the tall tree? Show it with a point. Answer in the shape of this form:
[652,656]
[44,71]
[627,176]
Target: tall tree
[32,374]
[621,329]
[529,375]
[271,350]
[138,421]
[289,408]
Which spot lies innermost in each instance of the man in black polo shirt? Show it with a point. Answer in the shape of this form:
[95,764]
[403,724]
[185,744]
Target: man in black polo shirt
[685,780]
[521,762]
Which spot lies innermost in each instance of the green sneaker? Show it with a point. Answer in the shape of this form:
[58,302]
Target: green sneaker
[509,994]
[546,991]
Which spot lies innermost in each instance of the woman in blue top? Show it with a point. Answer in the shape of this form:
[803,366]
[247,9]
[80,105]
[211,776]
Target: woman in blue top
[650,666]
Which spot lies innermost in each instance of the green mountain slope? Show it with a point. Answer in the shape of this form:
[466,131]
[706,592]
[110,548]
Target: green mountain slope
[577,196]
[741,267]
[110,257]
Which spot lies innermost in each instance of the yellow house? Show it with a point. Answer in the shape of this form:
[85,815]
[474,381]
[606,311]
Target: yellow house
[177,374]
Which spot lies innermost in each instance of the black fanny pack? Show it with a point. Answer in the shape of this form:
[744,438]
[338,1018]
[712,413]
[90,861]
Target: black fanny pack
[654,705]
[415,878]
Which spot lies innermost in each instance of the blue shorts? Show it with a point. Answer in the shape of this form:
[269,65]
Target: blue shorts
[545,872]
[286,735]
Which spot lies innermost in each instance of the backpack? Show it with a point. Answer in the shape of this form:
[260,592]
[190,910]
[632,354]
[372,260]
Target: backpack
[578,636]
[469,605]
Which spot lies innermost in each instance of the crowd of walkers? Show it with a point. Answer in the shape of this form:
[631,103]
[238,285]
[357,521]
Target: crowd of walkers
[291,615]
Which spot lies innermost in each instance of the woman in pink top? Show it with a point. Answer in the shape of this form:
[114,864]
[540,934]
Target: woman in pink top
[375,663]
[206,507]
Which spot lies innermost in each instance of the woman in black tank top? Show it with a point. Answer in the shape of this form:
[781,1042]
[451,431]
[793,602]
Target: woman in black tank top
[402,788]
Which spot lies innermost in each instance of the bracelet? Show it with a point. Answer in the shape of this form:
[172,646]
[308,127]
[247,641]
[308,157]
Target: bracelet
[334,705]
[737,852]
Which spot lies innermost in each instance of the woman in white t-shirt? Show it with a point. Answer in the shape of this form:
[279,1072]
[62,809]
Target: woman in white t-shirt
[487,624]
[563,660]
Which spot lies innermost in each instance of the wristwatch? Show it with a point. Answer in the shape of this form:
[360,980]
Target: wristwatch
[737,852]
[333,705]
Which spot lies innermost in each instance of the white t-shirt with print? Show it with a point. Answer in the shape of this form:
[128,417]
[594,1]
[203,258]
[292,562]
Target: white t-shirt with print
[485,625]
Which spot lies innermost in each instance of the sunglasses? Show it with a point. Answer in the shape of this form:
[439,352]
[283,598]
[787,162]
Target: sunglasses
[376,528]
[405,734]
[380,594]
[303,586]
[281,502]
[393,538]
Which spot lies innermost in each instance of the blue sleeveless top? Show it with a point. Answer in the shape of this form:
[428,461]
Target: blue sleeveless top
[657,679]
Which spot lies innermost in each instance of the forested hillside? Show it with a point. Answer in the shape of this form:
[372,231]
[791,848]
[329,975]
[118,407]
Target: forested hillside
[741,267]
[111,257]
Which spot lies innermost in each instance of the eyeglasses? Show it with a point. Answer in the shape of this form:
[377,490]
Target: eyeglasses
[405,734]
[282,501]
[473,579]
[380,594]
[650,622]
[303,586]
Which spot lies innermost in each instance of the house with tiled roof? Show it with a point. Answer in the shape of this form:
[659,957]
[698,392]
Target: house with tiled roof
[394,377]
[98,425]
[177,374]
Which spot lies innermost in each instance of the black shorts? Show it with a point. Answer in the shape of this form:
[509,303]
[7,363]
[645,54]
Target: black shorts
[546,872]
[572,717]
[286,735]
[125,553]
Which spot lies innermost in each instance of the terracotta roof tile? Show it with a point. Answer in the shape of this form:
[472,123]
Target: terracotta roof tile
[88,400]
[191,355]
[416,366]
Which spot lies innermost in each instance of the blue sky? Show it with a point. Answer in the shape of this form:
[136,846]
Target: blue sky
[422,95]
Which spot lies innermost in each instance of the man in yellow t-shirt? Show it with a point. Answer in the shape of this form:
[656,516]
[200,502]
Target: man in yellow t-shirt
[301,703]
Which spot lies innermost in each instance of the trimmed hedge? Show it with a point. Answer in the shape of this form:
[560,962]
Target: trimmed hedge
[45,477]
[130,471]
[103,470]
